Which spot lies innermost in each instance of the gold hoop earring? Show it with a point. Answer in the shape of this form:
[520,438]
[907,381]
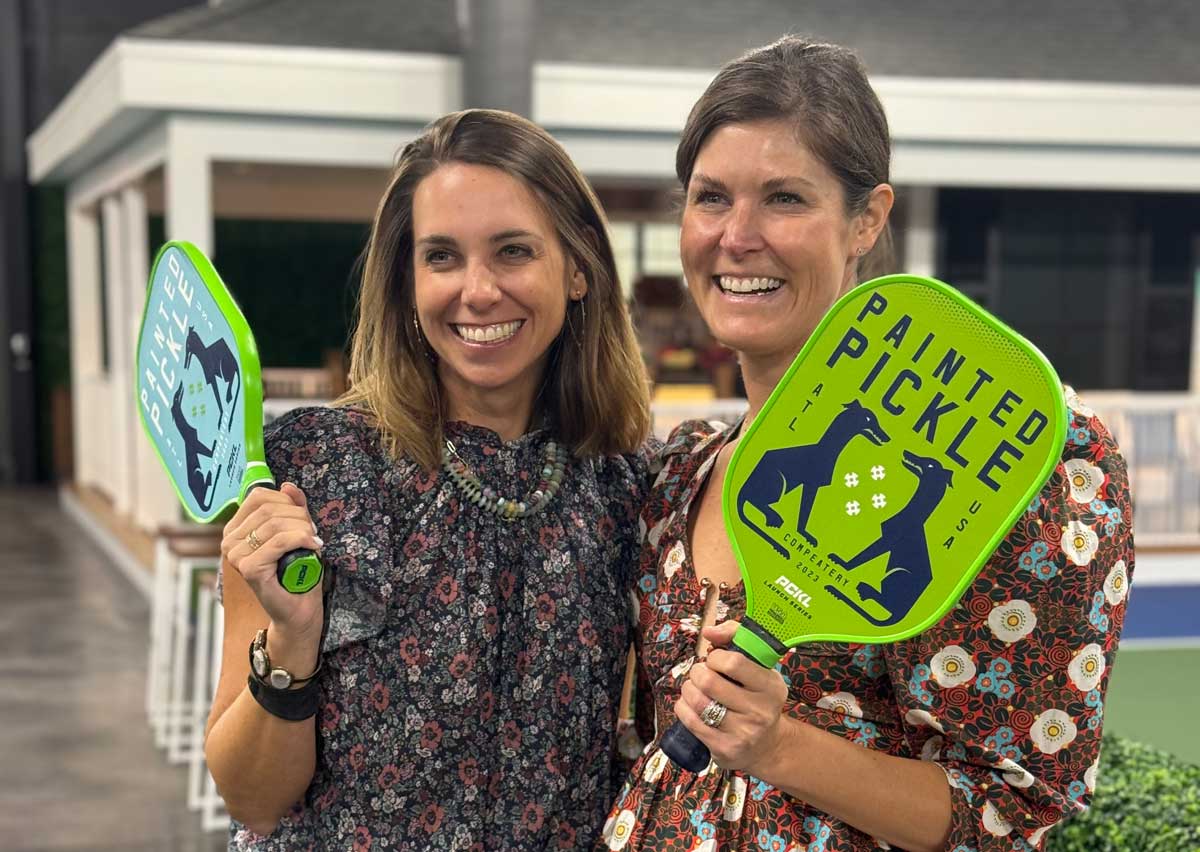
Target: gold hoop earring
[577,337]
[423,341]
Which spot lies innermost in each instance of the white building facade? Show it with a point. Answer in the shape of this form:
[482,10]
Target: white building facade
[194,129]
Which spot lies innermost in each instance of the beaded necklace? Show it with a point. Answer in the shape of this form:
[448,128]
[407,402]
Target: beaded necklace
[506,508]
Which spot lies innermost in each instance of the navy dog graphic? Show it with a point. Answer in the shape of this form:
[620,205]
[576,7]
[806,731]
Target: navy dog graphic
[217,362]
[902,537]
[808,466]
[198,481]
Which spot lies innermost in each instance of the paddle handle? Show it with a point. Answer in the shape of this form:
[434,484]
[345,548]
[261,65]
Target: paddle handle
[682,746]
[297,570]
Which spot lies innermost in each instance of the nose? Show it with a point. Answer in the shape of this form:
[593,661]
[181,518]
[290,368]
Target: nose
[481,289]
[741,233]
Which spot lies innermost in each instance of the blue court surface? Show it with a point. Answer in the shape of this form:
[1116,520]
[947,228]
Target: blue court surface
[1163,613]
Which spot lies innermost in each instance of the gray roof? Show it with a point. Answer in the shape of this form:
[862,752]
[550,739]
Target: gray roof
[1134,41]
[418,26]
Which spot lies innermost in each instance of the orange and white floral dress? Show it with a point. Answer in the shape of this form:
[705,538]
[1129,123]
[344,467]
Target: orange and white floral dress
[1005,693]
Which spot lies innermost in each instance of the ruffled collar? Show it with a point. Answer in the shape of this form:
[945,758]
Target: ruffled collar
[476,443]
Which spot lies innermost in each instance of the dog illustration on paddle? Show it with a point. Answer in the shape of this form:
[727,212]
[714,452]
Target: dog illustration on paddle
[198,481]
[217,362]
[902,537]
[808,466]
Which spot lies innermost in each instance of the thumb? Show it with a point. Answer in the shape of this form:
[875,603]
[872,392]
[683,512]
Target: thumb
[294,493]
[721,634]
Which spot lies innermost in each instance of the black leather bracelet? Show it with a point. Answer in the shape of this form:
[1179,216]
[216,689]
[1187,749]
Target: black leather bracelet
[294,705]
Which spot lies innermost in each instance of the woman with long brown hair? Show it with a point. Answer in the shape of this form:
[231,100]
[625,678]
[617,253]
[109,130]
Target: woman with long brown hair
[474,497]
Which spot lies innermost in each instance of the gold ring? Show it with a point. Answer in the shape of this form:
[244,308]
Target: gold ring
[713,714]
[253,541]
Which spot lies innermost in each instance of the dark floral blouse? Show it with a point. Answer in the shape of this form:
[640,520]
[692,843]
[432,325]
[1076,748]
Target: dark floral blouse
[1005,693]
[472,667]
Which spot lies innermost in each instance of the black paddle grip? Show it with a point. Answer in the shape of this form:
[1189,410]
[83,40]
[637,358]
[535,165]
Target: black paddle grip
[682,746]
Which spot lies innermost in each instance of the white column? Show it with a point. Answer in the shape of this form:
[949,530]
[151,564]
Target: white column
[920,237]
[188,203]
[120,408]
[83,275]
[155,502]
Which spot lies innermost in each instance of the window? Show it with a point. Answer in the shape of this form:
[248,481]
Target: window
[623,236]
[102,302]
[660,249]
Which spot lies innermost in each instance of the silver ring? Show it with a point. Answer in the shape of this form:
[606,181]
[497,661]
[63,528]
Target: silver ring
[713,714]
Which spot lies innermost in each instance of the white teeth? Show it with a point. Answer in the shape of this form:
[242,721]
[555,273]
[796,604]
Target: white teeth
[731,284]
[488,333]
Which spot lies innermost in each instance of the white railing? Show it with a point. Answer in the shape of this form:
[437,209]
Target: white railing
[665,416]
[297,382]
[275,406]
[1159,435]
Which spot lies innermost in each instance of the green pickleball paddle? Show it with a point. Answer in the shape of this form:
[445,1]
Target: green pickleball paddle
[908,436]
[199,395]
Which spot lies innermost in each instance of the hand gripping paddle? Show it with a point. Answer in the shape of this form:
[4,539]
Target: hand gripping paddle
[908,436]
[199,395]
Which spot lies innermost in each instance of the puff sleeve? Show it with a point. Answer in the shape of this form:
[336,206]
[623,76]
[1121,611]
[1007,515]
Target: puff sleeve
[1006,693]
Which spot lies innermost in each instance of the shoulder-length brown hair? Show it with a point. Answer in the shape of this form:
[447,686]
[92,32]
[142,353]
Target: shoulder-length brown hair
[595,390]
[822,90]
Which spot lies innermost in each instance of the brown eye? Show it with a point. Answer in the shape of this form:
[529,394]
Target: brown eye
[516,251]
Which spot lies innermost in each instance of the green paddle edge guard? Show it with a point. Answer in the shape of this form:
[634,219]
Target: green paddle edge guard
[756,641]
[301,572]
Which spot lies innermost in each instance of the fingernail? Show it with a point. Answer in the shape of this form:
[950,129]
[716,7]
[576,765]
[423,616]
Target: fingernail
[320,541]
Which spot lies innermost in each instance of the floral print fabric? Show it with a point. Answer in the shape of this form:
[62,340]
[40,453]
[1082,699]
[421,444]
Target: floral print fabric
[472,667]
[1005,693]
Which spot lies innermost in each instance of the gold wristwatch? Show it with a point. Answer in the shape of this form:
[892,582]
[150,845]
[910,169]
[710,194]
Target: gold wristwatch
[273,676]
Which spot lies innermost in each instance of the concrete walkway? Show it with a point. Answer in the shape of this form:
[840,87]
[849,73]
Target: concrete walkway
[79,767]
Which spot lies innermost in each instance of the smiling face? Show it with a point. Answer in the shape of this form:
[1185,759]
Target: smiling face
[766,242]
[491,281]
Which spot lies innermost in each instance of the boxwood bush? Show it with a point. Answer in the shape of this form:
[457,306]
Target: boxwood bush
[1146,800]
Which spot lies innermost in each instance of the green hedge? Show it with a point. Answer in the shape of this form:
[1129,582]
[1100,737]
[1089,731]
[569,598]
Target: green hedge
[1146,801]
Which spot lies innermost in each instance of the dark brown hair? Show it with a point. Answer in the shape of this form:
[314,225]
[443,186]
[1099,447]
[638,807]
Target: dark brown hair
[595,390]
[822,89]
